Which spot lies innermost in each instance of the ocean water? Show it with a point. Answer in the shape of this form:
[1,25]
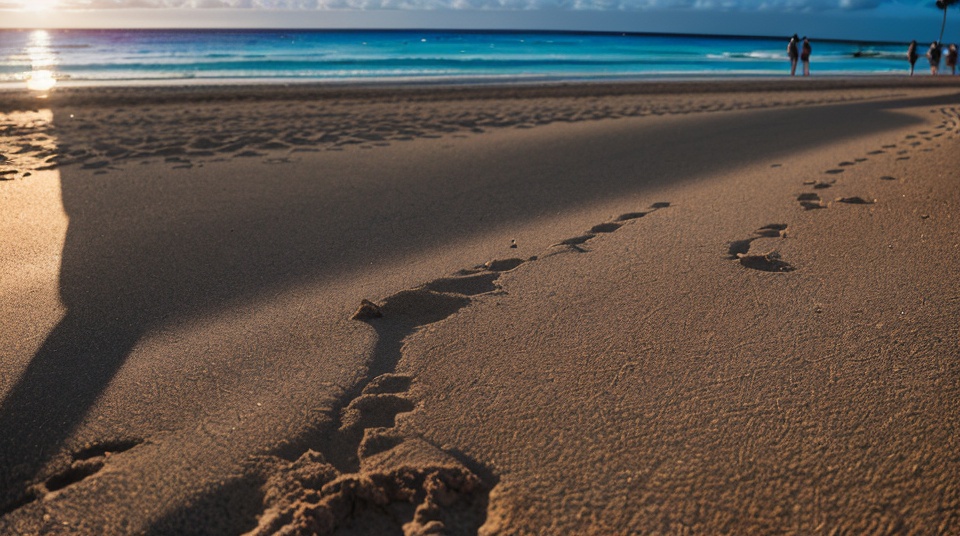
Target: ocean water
[83,57]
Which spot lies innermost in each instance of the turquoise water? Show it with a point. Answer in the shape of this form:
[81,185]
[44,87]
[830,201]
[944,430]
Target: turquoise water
[134,57]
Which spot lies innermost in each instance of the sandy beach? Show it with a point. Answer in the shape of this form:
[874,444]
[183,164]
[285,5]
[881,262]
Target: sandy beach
[693,307]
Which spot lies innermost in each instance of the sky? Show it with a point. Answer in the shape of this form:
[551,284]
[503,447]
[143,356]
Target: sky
[880,20]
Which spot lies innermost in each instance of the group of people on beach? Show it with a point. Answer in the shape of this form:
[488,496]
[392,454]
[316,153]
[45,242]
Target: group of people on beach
[934,53]
[798,50]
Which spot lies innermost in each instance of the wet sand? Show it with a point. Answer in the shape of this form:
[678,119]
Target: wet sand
[657,308]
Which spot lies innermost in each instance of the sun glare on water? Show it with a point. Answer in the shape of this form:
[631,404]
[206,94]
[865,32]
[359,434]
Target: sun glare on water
[41,81]
[42,62]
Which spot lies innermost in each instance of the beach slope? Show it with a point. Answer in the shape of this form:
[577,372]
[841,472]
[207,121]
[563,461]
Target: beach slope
[673,308]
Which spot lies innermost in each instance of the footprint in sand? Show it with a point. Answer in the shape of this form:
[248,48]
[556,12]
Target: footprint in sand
[888,178]
[605,227]
[575,242]
[505,265]
[810,201]
[833,171]
[482,279]
[85,463]
[856,200]
[88,461]
[771,261]
[766,262]
[368,412]
[877,152]
[472,285]
[329,486]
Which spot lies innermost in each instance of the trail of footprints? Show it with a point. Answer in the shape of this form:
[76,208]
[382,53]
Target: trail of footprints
[412,479]
[771,261]
[84,464]
[106,140]
[366,469]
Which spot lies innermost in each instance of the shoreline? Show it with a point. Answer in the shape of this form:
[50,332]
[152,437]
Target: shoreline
[10,98]
[505,80]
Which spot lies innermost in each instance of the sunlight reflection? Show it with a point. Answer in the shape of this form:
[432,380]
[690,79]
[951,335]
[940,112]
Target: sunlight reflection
[42,80]
[41,77]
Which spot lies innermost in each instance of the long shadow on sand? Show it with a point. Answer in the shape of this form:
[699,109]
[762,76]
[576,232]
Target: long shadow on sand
[142,251]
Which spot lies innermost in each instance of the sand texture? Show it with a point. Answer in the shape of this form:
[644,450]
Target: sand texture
[664,308]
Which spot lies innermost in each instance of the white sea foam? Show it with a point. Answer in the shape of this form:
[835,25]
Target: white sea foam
[754,55]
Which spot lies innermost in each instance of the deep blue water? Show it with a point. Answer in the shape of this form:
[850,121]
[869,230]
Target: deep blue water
[137,56]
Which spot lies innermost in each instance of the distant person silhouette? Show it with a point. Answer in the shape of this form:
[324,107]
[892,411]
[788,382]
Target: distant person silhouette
[912,55]
[933,54]
[951,59]
[805,51]
[793,53]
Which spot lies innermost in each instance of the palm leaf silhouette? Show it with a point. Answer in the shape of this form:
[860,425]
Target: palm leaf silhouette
[943,5]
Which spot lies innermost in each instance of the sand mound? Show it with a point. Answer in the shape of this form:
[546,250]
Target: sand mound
[413,487]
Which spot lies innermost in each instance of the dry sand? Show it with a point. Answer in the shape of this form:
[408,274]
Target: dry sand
[673,308]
